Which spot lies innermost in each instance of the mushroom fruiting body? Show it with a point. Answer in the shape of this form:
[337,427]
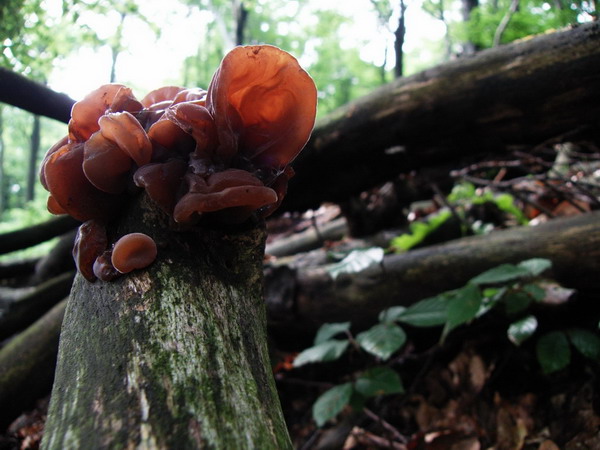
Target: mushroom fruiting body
[220,155]
[133,251]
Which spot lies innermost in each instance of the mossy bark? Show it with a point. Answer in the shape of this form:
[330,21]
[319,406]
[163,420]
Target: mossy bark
[173,356]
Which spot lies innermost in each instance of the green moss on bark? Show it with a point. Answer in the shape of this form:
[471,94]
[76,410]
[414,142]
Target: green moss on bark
[173,356]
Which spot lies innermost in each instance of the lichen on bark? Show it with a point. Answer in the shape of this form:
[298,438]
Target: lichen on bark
[173,356]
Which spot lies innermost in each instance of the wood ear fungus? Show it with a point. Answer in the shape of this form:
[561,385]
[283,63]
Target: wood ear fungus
[220,156]
[133,251]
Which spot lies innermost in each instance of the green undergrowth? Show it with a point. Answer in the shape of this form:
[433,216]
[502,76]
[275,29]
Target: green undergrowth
[513,290]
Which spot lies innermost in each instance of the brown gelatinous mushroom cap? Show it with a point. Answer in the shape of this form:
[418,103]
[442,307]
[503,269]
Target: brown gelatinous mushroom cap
[70,189]
[124,130]
[133,251]
[264,105]
[162,181]
[90,242]
[162,94]
[105,164]
[232,188]
[85,113]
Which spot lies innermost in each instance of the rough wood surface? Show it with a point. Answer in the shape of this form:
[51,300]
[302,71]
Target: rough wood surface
[303,299]
[522,93]
[173,356]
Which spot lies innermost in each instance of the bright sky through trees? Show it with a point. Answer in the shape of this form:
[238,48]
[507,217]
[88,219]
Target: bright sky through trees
[149,62]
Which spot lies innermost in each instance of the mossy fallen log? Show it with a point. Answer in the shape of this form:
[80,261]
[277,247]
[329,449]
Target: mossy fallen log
[27,364]
[304,298]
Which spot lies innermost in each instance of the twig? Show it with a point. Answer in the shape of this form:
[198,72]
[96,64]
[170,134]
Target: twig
[388,426]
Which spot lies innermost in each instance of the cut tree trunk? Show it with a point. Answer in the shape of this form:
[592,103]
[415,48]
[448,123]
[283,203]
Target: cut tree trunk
[172,356]
[304,299]
[523,93]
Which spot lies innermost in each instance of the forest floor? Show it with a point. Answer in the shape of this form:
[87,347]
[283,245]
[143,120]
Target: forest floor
[476,389]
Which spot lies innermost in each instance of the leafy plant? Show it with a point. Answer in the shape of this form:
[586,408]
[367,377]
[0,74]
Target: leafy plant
[511,286]
[419,231]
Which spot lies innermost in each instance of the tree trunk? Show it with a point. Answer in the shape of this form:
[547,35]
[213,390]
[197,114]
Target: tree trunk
[302,299]
[241,19]
[172,356]
[399,35]
[2,177]
[519,94]
[34,150]
[466,7]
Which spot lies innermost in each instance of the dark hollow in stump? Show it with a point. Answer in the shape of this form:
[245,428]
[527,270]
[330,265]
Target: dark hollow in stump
[172,356]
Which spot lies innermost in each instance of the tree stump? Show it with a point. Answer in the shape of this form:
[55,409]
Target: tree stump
[171,356]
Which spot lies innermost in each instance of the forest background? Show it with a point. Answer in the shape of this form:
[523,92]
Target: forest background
[74,46]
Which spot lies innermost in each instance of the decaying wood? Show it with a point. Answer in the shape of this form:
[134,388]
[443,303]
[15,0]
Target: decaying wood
[34,97]
[57,261]
[20,313]
[522,93]
[20,269]
[36,234]
[172,356]
[306,298]
[308,239]
[27,364]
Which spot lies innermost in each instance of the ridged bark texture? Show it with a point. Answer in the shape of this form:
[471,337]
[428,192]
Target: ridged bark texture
[173,356]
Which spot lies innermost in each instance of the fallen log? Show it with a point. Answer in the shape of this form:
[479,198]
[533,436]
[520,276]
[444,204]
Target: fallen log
[19,314]
[27,364]
[36,234]
[303,299]
[523,93]
[19,91]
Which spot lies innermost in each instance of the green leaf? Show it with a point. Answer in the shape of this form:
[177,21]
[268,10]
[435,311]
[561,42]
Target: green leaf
[462,191]
[501,274]
[516,301]
[329,330]
[356,261]
[382,340]
[536,292]
[521,330]
[506,202]
[463,306]
[419,231]
[379,381]
[553,351]
[331,402]
[535,266]
[391,314]
[586,342]
[430,312]
[325,351]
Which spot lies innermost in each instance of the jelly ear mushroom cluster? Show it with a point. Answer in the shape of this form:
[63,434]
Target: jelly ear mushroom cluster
[219,156]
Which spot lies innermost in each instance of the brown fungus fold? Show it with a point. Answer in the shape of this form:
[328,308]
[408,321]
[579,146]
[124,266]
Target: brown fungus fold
[133,251]
[264,105]
[90,242]
[220,156]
